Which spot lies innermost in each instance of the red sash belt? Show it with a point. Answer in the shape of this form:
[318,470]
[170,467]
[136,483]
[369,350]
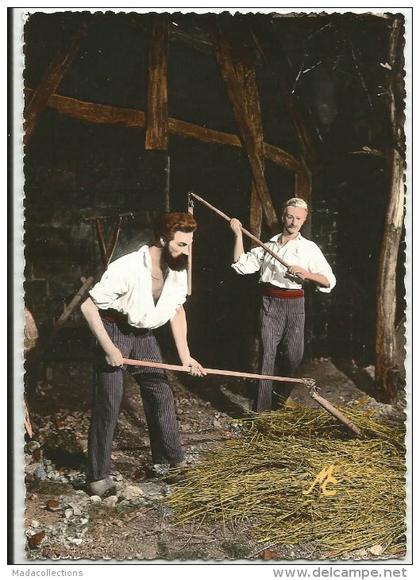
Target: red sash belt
[121,320]
[114,316]
[276,292]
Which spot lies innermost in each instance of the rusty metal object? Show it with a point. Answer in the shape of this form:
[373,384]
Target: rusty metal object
[107,248]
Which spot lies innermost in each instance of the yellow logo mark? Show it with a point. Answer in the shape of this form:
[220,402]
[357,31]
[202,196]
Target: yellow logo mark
[324,477]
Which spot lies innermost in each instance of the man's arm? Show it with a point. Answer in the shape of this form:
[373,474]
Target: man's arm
[317,270]
[311,276]
[179,332]
[90,311]
[238,248]
[244,263]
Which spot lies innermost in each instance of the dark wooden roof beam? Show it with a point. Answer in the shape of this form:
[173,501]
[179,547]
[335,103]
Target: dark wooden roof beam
[239,76]
[133,118]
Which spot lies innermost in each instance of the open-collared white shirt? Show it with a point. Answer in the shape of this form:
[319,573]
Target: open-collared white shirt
[126,286]
[296,252]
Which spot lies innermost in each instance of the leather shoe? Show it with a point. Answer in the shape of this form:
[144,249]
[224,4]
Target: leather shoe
[102,487]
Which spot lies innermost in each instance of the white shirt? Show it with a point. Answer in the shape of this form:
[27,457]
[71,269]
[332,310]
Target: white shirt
[296,252]
[126,286]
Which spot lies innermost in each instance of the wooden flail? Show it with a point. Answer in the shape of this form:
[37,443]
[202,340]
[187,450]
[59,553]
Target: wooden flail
[309,383]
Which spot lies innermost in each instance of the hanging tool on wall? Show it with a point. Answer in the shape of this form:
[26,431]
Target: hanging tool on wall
[189,269]
[309,383]
[87,284]
[107,248]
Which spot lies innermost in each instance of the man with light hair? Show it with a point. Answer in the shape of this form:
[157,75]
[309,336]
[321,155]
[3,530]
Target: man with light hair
[282,311]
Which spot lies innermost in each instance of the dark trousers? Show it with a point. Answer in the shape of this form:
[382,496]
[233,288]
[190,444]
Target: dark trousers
[158,401]
[282,320]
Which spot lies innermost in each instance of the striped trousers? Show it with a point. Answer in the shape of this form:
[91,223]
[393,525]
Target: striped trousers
[282,321]
[158,401]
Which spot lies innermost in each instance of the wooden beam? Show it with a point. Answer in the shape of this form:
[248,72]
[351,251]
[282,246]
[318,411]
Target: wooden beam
[238,76]
[195,38]
[97,113]
[272,152]
[136,119]
[386,369]
[50,82]
[157,93]
[255,214]
[303,183]
[251,102]
[303,189]
[281,157]
[280,67]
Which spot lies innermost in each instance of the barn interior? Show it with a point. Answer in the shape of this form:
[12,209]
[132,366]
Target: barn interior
[128,112]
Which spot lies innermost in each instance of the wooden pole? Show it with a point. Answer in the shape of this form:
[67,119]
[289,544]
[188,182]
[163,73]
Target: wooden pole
[226,373]
[87,284]
[219,372]
[386,370]
[244,231]
[334,411]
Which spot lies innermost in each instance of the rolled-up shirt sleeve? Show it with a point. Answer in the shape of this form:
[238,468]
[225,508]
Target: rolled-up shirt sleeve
[319,265]
[111,286]
[249,262]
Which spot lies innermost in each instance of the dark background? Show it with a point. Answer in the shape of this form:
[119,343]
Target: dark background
[75,169]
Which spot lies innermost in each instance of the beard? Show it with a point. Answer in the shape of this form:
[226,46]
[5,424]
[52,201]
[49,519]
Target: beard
[178,264]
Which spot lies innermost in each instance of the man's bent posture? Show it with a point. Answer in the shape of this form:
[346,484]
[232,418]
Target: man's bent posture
[139,292]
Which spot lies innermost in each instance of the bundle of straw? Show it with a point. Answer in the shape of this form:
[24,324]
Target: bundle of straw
[297,478]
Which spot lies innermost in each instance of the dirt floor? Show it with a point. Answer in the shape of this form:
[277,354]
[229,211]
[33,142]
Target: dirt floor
[64,522]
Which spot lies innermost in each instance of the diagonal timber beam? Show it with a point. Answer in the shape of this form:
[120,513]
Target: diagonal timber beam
[50,82]
[238,76]
[253,113]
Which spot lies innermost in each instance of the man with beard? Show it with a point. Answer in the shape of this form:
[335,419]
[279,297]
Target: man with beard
[282,311]
[139,292]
